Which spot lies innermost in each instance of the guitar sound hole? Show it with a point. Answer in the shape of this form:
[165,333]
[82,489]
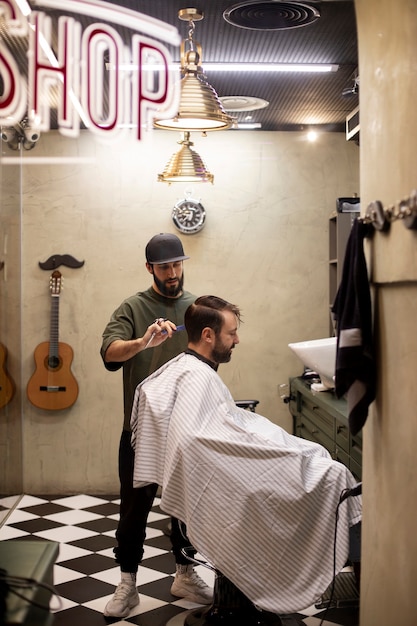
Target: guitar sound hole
[53,362]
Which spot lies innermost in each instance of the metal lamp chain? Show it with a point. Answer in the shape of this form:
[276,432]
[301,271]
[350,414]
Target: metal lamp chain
[191,33]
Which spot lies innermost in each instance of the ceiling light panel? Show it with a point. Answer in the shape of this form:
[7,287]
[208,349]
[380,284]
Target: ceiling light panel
[243,103]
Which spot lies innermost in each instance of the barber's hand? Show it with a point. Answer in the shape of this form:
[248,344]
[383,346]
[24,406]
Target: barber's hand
[159,331]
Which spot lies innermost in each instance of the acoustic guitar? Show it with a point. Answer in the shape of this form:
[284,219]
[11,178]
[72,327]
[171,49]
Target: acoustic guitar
[7,387]
[52,385]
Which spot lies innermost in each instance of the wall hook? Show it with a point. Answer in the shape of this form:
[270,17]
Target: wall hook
[410,211]
[376,216]
[381,217]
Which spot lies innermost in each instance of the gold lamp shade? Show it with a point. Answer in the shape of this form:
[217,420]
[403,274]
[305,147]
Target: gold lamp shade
[200,108]
[185,166]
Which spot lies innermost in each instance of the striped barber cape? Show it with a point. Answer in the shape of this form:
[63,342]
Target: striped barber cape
[259,504]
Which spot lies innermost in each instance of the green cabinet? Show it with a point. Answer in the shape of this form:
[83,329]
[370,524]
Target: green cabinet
[321,417]
[33,560]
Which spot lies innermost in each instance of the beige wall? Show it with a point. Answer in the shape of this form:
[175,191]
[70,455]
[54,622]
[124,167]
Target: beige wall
[388,90]
[11,460]
[264,247]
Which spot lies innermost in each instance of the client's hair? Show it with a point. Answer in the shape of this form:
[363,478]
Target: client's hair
[207,312]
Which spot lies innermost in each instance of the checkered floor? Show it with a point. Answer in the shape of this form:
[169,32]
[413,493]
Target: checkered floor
[85,573]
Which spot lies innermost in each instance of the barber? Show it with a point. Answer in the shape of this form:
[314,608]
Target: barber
[140,337]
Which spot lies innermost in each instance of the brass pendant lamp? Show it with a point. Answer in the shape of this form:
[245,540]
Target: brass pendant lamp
[185,166]
[200,108]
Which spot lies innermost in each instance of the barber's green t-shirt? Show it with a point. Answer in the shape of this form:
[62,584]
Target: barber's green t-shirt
[131,320]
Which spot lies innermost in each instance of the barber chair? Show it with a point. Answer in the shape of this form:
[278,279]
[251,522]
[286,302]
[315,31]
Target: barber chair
[230,607]
[250,405]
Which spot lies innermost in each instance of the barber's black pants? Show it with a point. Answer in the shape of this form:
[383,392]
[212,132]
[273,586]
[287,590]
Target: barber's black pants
[135,505]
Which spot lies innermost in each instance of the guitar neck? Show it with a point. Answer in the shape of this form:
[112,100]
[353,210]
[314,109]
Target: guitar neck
[54,327]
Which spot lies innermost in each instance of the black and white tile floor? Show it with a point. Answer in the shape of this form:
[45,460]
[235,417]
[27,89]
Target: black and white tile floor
[85,573]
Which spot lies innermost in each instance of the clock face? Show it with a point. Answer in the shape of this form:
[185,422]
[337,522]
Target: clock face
[189,216]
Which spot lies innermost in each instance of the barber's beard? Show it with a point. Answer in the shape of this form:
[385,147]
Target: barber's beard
[171,291]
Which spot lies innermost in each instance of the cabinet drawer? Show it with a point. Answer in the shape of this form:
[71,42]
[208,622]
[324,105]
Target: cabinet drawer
[323,418]
[322,421]
[342,436]
[310,430]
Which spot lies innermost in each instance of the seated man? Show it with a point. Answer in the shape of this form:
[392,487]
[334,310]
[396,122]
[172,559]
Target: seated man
[259,504]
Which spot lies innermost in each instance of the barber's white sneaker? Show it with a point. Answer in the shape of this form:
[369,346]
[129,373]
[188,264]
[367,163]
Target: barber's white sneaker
[190,586]
[125,598]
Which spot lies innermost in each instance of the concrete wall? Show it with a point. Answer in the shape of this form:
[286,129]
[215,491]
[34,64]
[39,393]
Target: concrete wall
[388,90]
[264,247]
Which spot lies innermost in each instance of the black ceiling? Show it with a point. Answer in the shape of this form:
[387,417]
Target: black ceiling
[296,100]
[273,32]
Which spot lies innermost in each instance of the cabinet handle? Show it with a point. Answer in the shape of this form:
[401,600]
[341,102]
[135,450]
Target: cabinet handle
[340,428]
[315,431]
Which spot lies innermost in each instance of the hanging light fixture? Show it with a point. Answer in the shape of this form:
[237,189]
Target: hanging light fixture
[185,166]
[200,108]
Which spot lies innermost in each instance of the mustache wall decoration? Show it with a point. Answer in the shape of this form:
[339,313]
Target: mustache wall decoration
[60,259]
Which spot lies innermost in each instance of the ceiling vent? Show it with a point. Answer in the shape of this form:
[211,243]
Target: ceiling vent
[257,15]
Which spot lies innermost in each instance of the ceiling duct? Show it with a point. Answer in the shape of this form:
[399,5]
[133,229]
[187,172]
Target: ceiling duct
[258,15]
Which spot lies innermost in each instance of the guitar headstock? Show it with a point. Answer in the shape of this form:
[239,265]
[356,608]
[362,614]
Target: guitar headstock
[55,283]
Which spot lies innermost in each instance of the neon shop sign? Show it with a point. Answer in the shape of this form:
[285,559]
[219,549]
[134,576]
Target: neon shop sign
[84,68]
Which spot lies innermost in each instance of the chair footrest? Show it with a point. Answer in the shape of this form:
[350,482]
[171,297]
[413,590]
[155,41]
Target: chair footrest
[343,594]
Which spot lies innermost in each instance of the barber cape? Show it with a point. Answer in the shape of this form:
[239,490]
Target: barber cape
[259,504]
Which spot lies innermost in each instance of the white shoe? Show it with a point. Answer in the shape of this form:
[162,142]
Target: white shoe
[191,587]
[125,598]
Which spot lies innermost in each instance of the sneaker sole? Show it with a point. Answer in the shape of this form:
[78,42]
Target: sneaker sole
[191,598]
[124,614]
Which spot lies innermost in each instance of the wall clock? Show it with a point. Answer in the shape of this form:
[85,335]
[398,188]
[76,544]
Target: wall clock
[189,216]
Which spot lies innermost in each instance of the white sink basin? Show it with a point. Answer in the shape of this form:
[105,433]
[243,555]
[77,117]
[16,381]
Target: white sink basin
[318,355]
